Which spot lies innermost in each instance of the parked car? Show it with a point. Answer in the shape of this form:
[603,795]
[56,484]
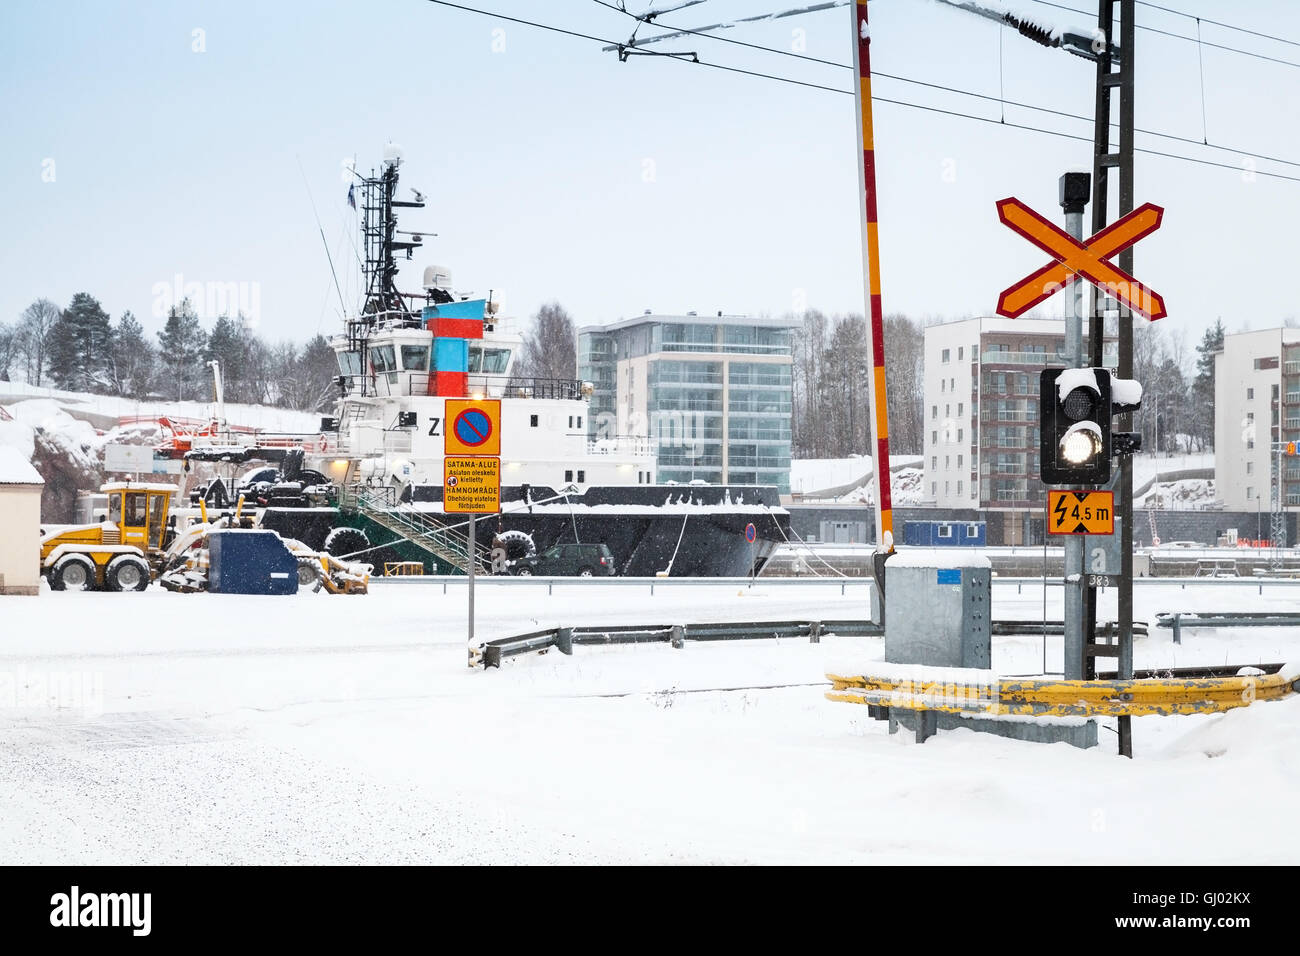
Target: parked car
[583,560]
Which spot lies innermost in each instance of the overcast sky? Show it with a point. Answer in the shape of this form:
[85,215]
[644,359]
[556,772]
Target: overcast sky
[149,140]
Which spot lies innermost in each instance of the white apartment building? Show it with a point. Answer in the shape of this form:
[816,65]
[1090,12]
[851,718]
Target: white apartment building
[1256,404]
[981,383]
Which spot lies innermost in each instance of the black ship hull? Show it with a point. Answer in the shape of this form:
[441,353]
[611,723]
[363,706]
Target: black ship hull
[683,530]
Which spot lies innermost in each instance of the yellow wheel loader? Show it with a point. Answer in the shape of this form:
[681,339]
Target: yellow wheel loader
[119,553]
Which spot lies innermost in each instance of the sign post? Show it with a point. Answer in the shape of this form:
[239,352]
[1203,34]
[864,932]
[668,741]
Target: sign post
[751,535]
[1073,258]
[471,479]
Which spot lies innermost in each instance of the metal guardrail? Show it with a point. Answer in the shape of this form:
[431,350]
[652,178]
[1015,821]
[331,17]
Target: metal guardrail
[1199,619]
[492,653]
[1053,697]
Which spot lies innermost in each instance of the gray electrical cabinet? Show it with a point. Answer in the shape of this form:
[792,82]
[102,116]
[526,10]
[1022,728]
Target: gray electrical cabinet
[938,608]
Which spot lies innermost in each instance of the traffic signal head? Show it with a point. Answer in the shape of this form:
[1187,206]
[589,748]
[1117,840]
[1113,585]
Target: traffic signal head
[1074,427]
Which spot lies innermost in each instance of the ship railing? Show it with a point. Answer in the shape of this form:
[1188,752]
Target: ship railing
[513,386]
[634,445]
[380,504]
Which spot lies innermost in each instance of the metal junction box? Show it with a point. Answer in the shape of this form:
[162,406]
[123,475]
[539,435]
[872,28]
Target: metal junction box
[938,605]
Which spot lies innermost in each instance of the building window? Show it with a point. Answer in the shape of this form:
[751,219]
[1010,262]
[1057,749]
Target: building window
[961,409]
[947,411]
[945,531]
[959,461]
[934,462]
[934,412]
[532,421]
[570,421]
[943,356]
[568,474]
[582,476]
[579,421]
[1275,393]
[933,488]
[1269,361]
[943,385]
[946,461]
[1250,443]
[960,350]
[945,487]
[1250,467]
[972,531]
[959,488]
[1250,416]
[1250,492]
[1250,393]
[959,434]
[934,438]
[952,385]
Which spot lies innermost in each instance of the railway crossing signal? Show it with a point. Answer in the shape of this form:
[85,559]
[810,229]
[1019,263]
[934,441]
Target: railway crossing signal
[1076,442]
[1072,259]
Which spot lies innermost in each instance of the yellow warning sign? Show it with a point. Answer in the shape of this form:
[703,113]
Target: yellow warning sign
[473,426]
[1081,512]
[471,485]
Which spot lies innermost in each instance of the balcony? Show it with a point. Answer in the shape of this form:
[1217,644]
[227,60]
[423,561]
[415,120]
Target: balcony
[1041,359]
[1291,368]
[994,415]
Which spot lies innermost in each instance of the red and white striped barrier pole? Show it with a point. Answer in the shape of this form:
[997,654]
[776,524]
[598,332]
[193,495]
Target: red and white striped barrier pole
[871,270]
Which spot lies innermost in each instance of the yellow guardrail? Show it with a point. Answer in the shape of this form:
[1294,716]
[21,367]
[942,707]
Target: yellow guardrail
[1053,697]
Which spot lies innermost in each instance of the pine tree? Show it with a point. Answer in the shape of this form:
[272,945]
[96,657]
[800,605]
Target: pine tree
[79,346]
[134,359]
[229,344]
[182,343]
[1203,384]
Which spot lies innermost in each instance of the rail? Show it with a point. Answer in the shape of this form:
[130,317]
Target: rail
[1203,619]
[492,653]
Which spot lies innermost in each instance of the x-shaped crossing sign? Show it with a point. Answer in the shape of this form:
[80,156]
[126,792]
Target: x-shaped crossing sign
[1073,258]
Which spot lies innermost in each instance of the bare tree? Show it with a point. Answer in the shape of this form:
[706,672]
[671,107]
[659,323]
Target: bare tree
[550,347]
[904,356]
[8,350]
[809,345]
[33,332]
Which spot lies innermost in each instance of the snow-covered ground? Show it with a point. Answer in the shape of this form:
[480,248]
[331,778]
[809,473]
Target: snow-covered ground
[214,728]
[817,474]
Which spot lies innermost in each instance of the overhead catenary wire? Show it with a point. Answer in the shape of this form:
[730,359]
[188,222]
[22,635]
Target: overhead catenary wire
[1001,99]
[1180,36]
[933,109]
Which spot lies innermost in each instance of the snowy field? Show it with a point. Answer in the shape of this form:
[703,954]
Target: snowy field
[223,729]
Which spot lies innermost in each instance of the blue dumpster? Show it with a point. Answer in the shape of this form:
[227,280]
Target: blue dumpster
[250,562]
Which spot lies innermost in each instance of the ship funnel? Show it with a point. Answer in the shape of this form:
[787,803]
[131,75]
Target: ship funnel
[392,155]
[437,277]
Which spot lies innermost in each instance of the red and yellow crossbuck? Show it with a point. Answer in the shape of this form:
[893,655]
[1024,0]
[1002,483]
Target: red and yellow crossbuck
[1073,259]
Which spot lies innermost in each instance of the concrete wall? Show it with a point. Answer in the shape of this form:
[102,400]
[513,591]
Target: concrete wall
[20,539]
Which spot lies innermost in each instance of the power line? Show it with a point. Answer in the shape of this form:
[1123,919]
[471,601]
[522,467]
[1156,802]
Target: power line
[1219,23]
[1180,36]
[936,86]
[919,106]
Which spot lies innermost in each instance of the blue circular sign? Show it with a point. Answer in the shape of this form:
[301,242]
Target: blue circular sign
[472,427]
[751,533]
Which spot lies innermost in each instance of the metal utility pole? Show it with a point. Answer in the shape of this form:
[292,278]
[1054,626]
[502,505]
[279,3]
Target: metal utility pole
[1112,75]
[1074,188]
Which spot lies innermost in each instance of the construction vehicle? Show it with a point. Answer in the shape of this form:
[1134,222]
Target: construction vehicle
[120,552]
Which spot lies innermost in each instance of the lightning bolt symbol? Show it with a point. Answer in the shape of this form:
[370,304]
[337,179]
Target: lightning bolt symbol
[1059,511]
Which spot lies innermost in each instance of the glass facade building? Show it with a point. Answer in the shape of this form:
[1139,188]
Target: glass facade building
[714,393]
